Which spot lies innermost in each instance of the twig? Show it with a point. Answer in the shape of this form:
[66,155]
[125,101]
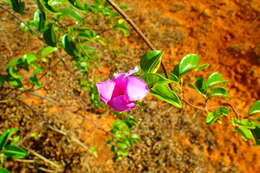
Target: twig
[233,109]
[196,107]
[45,159]
[137,29]
[74,139]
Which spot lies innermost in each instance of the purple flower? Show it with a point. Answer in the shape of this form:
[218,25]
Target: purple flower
[122,91]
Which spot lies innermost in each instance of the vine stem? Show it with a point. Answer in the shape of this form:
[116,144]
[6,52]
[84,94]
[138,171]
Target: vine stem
[137,30]
[233,109]
[196,107]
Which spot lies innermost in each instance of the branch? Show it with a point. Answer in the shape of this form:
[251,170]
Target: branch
[196,107]
[233,109]
[137,30]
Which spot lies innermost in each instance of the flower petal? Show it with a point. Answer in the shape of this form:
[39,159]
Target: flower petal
[136,88]
[105,90]
[121,104]
[130,72]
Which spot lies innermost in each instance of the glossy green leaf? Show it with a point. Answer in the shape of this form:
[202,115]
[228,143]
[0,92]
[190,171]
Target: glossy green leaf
[246,123]
[255,108]
[69,45]
[256,134]
[210,118]
[11,68]
[214,116]
[163,92]
[15,82]
[150,61]
[135,137]
[47,51]
[245,132]
[88,35]
[25,27]
[48,7]
[122,153]
[17,6]
[122,144]
[121,25]
[29,58]
[152,78]
[71,13]
[12,151]
[49,36]
[77,4]
[34,80]
[174,78]
[5,136]
[218,92]
[215,78]
[3,170]
[187,64]
[39,20]
[201,67]
[201,85]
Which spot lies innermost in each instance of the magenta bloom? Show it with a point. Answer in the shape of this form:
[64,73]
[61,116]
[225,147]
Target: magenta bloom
[122,91]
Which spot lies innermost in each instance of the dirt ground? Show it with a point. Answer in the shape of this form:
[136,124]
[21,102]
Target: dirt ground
[226,35]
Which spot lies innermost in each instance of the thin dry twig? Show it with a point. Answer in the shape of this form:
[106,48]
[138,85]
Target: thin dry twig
[137,30]
[196,107]
[58,167]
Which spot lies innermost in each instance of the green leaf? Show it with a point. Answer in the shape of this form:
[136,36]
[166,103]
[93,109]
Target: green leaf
[13,151]
[210,118]
[49,36]
[245,132]
[215,78]
[39,20]
[221,111]
[135,137]
[174,78]
[245,123]
[47,50]
[11,68]
[255,108]
[152,78]
[201,85]
[121,25]
[163,92]
[48,7]
[69,45]
[3,170]
[201,67]
[88,35]
[71,13]
[123,144]
[6,136]
[187,64]
[15,82]
[122,153]
[29,58]
[17,6]
[34,80]
[150,61]
[214,116]
[77,4]
[256,134]
[218,92]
